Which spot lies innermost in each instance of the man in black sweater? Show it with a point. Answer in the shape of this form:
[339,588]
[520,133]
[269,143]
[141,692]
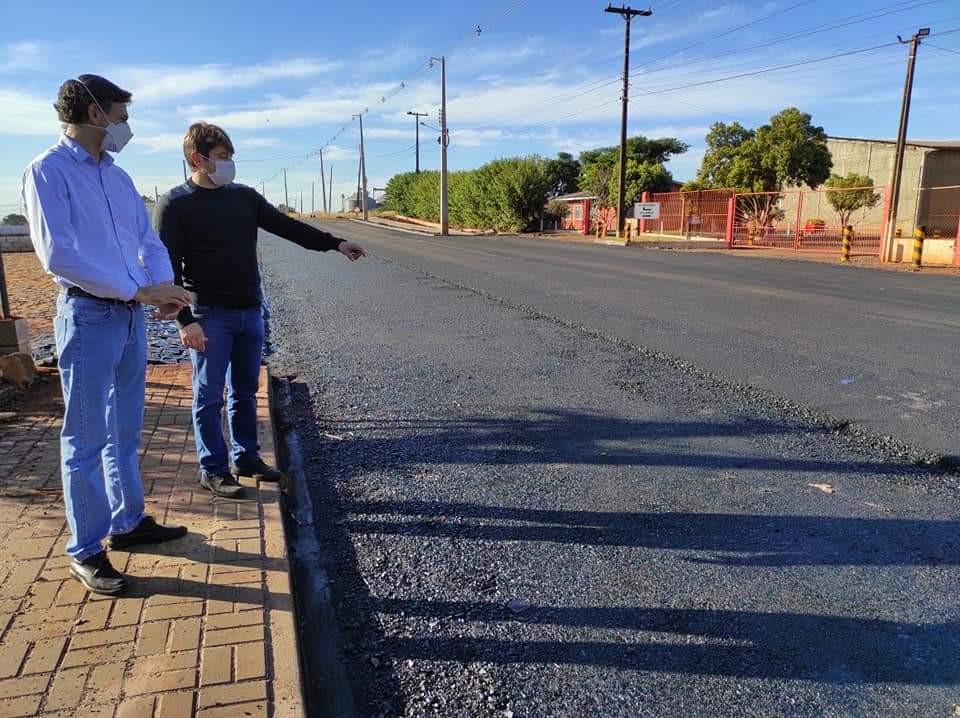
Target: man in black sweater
[209,225]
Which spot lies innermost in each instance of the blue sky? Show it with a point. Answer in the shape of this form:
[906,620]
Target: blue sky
[541,77]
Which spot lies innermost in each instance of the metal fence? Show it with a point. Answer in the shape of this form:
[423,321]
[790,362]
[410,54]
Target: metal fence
[805,220]
[699,213]
[810,220]
[938,210]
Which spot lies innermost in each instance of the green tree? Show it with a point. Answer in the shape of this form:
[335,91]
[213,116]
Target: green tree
[564,173]
[600,169]
[597,178]
[848,194]
[506,195]
[14,220]
[788,151]
[640,177]
[639,149]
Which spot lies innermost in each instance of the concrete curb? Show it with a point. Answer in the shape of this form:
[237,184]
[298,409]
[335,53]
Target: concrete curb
[325,686]
[396,229]
[289,698]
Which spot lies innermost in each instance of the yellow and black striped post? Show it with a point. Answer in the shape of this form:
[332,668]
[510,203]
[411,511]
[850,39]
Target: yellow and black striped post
[919,234]
[845,244]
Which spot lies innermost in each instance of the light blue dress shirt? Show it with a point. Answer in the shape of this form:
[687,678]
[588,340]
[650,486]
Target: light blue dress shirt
[88,224]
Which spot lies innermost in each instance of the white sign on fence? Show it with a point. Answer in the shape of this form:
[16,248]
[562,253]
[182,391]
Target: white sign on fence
[646,210]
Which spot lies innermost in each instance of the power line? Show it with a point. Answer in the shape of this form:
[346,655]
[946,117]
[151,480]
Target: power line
[595,85]
[945,49]
[817,29]
[512,7]
[766,70]
[733,30]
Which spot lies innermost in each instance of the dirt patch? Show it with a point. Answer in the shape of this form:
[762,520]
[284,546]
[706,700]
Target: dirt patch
[33,293]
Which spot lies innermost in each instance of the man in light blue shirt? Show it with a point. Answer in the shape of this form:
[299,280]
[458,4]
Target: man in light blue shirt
[91,231]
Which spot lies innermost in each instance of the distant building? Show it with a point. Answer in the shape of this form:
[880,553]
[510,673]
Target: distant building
[351,203]
[930,189]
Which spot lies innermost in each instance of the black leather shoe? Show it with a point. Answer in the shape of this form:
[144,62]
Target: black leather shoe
[96,573]
[147,531]
[225,486]
[258,469]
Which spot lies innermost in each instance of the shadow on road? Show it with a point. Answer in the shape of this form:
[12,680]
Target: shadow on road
[754,540]
[581,438]
[832,649]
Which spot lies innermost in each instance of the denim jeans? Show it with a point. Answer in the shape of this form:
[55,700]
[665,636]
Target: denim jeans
[231,361]
[103,363]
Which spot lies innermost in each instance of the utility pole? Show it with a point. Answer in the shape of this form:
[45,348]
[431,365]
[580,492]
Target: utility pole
[363,172]
[184,163]
[301,202]
[895,181]
[286,195]
[156,194]
[313,201]
[416,121]
[627,13]
[359,172]
[330,203]
[323,184]
[444,143]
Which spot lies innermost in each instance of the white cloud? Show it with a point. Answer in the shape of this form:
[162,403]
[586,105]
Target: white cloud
[28,114]
[25,55]
[393,133]
[259,142]
[165,142]
[153,83]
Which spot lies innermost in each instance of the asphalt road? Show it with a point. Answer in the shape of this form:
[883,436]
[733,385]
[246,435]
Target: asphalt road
[876,348]
[524,511]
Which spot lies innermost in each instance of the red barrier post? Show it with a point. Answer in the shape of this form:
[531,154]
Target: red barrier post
[645,197]
[731,218]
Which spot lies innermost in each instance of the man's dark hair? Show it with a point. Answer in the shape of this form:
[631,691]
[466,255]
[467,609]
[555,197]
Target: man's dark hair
[202,137]
[74,99]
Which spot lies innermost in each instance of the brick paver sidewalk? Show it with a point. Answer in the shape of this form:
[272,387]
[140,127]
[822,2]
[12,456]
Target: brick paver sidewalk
[208,626]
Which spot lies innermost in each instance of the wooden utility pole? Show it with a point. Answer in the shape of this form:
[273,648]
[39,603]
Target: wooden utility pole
[330,203]
[323,184]
[416,123]
[286,194]
[895,180]
[363,172]
[444,144]
[184,163]
[627,13]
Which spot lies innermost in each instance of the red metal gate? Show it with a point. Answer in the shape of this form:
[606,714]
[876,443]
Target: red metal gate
[809,220]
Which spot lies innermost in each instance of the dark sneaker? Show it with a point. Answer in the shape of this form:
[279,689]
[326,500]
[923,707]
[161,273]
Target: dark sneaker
[225,486]
[258,469]
[96,573]
[147,531]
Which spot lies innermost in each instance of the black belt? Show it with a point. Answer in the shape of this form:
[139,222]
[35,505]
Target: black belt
[77,292]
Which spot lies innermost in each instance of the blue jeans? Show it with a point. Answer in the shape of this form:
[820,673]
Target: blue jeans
[103,363]
[230,361]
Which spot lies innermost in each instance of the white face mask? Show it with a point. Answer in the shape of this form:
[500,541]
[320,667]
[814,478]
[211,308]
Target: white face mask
[118,134]
[224,173]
